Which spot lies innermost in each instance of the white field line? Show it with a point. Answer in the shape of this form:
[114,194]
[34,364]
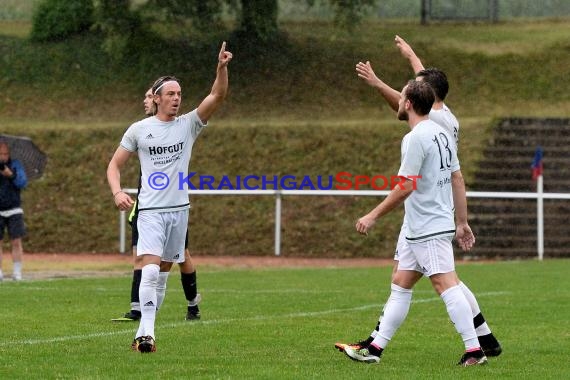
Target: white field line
[67,338]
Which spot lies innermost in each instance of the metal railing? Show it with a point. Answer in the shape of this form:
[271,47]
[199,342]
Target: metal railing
[278,194]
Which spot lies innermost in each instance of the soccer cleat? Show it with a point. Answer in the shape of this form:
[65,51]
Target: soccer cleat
[132,315]
[476,357]
[135,344]
[193,313]
[361,355]
[17,277]
[490,345]
[193,310]
[146,344]
[357,346]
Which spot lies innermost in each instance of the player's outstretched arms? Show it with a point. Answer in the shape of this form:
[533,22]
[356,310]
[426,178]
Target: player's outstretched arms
[219,89]
[408,53]
[365,71]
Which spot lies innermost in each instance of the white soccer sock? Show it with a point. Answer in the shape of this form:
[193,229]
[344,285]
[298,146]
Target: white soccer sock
[161,288]
[17,269]
[460,314]
[393,314]
[148,299]
[475,310]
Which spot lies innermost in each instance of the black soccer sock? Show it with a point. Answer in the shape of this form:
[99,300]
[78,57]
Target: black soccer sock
[189,285]
[137,273]
[478,320]
[376,351]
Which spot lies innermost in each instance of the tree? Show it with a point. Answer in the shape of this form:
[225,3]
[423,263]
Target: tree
[348,13]
[121,26]
[56,20]
[204,14]
[258,20]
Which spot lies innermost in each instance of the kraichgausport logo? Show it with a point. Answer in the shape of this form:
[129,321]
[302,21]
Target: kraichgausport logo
[339,181]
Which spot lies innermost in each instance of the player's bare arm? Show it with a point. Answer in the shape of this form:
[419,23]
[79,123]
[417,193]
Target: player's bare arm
[365,71]
[219,89]
[395,198]
[463,233]
[122,200]
[408,53]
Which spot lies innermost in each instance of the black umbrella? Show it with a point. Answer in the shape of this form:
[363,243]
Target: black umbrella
[24,150]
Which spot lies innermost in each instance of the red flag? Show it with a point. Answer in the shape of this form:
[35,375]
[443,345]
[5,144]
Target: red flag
[537,163]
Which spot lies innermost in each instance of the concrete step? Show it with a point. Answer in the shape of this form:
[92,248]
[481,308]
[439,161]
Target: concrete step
[513,140]
[478,253]
[507,227]
[508,185]
[526,151]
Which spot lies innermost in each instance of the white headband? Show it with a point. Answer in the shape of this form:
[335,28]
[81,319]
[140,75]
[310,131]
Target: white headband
[159,87]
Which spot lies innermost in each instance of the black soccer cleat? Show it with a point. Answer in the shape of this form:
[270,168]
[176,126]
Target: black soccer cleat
[193,313]
[131,316]
[490,345]
[146,344]
[135,343]
[476,357]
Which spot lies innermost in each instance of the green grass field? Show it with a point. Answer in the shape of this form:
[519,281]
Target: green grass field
[282,324]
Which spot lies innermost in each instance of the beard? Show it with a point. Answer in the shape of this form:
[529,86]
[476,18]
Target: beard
[403,115]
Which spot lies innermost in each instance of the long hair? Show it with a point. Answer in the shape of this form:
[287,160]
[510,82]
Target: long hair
[157,86]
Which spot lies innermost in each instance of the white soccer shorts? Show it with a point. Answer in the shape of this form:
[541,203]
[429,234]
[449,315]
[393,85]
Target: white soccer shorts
[162,234]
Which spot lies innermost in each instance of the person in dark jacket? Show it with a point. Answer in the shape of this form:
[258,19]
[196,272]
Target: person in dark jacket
[12,181]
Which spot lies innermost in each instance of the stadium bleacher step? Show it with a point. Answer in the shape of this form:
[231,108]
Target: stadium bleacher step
[507,228]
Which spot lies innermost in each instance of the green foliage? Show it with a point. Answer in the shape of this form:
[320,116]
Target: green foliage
[349,13]
[284,323]
[204,14]
[124,33]
[55,20]
[258,20]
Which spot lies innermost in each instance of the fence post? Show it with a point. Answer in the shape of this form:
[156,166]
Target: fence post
[540,217]
[493,11]
[277,223]
[425,11]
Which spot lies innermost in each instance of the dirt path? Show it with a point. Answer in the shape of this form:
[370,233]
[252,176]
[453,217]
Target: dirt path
[62,265]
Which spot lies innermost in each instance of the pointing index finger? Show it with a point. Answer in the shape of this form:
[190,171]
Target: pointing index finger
[223,49]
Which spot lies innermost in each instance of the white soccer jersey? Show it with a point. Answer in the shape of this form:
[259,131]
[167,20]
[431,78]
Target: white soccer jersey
[164,150]
[429,151]
[445,118]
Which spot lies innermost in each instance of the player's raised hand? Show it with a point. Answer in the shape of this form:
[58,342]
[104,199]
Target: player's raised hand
[464,237]
[364,71]
[225,56]
[405,49]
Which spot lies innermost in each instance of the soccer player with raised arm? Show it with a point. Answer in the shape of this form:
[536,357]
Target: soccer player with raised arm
[164,147]
[431,223]
[443,116]
[187,268]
